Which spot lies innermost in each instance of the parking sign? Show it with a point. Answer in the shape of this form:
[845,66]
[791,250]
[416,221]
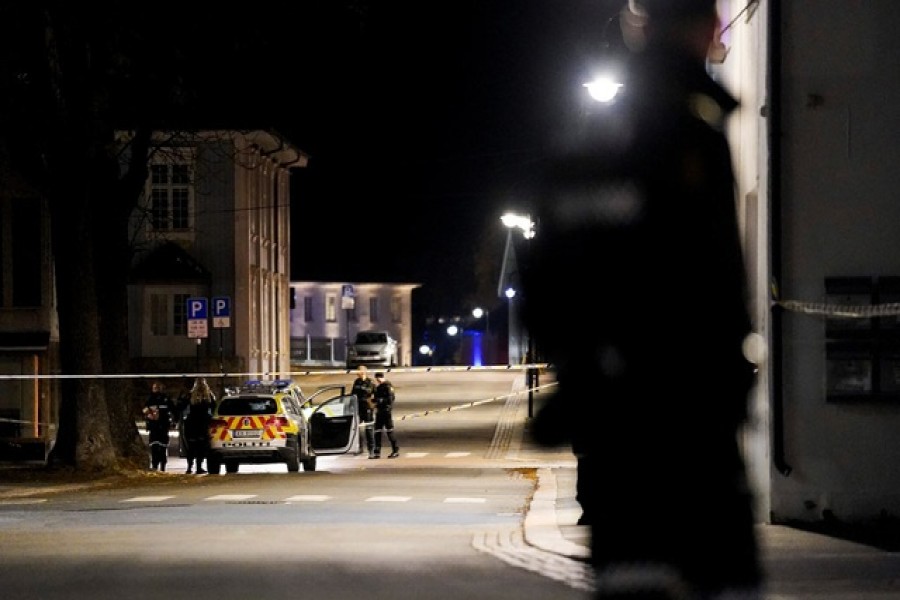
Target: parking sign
[197,314]
[221,309]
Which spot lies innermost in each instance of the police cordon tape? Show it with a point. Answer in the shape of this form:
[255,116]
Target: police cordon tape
[844,311]
[275,374]
[363,425]
[443,369]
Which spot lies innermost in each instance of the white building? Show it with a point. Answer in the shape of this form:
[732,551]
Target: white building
[325,316]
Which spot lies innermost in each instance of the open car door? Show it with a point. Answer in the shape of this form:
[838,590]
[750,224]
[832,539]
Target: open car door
[333,424]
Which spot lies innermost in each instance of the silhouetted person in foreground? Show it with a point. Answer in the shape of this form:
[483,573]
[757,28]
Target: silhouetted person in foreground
[653,382]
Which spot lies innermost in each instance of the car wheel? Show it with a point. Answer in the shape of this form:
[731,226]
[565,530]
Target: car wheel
[309,464]
[293,461]
[232,466]
[213,465]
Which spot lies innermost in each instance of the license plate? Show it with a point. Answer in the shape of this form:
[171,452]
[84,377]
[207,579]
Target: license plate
[245,433]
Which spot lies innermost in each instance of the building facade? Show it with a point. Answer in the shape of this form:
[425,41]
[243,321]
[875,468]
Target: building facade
[214,227]
[29,328]
[325,317]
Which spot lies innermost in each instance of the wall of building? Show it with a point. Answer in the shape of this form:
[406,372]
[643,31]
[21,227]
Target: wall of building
[317,339]
[840,108]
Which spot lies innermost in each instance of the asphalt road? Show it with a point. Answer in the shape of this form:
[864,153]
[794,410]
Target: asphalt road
[441,521]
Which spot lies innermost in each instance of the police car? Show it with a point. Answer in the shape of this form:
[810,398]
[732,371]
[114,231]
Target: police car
[273,422]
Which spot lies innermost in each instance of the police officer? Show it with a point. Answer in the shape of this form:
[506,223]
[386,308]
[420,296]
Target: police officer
[656,378]
[384,420]
[363,387]
[158,411]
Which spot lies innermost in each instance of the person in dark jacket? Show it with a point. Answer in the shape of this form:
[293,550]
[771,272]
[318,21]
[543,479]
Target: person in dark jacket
[652,377]
[158,412]
[363,388]
[196,415]
[384,418]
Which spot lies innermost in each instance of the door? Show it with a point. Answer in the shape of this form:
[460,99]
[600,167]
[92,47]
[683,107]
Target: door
[333,425]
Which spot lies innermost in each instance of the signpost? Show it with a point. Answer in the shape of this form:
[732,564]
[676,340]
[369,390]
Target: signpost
[221,307]
[348,303]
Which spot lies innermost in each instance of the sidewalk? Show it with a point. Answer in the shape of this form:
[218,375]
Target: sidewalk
[798,564]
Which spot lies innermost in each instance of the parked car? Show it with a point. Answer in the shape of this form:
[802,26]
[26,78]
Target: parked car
[272,422]
[372,349]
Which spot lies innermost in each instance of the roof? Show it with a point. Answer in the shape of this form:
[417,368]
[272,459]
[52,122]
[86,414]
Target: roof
[167,263]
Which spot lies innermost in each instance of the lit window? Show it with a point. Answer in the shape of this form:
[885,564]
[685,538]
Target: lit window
[331,308]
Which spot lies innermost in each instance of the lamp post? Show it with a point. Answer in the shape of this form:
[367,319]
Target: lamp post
[509,280]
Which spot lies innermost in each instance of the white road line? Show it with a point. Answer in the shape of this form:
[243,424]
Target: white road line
[307,498]
[457,454]
[148,499]
[465,500]
[415,454]
[231,497]
[389,499]
[22,501]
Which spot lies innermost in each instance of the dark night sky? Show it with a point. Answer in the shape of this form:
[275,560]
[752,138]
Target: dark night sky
[423,123]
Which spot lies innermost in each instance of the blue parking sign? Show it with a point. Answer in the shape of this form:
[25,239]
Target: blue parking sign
[197,308]
[221,306]
[221,309]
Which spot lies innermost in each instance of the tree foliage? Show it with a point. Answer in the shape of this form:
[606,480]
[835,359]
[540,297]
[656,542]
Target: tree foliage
[71,75]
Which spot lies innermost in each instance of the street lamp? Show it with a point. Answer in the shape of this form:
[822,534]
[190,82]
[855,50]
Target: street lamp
[513,220]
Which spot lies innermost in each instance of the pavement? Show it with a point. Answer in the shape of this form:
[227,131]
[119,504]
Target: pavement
[799,564]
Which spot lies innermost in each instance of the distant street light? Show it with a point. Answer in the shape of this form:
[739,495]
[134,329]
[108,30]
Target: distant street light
[510,293]
[452,330]
[479,312]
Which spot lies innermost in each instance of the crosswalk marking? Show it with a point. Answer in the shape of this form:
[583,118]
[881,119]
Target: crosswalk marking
[389,499]
[231,497]
[457,454]
[465,500]
[308,498]
[148,499]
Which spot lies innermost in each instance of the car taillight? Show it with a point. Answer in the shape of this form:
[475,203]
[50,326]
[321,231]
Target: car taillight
[216,423]
[277,421]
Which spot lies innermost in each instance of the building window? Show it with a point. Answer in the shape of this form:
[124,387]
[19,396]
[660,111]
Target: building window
[373,310]
[170,197]
[331,308]
[179,314]
[159,314]
[308,309]
[396,309]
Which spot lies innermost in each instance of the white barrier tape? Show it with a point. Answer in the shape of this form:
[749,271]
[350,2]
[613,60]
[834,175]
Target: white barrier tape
[21,422]
[473,403]
[364,424]
[846,311]
[275,375]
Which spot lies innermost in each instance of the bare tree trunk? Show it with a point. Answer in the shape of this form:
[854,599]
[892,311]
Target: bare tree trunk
[85,442]
[113,252]
[73,144]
